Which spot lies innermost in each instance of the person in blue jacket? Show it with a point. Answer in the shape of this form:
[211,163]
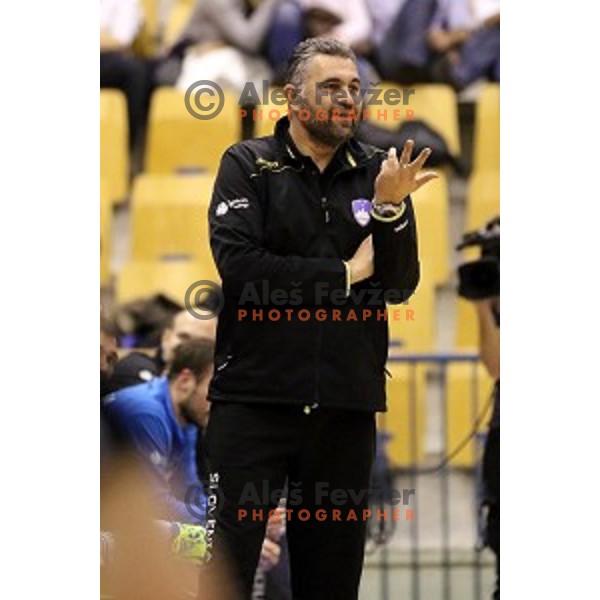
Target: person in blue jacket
[160,418]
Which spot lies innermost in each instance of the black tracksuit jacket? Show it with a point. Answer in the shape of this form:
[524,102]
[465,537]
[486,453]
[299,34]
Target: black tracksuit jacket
[280,230]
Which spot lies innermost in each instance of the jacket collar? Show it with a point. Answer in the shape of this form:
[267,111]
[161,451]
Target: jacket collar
[350,153]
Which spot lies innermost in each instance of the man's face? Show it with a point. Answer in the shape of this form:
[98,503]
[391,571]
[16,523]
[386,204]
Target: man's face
[108,354]
[196,407]
[185,327]
[329,99]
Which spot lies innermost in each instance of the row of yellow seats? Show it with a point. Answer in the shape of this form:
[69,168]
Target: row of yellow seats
[169,222]
[177,141]
[466,406]
[170,247]
[169,215]
[114,144]
[486,153]
[436,104]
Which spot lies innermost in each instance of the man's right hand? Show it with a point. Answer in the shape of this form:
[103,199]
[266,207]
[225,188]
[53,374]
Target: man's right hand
[269,555]
[361,264]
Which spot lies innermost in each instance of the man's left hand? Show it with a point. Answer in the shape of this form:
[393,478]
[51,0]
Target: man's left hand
[400,178]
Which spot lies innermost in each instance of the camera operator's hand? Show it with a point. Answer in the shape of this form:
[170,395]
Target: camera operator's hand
[398,179]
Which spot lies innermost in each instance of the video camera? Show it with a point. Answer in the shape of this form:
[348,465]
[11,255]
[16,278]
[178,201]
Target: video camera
[480,279]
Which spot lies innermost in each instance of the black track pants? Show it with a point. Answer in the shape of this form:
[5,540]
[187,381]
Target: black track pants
[326,457]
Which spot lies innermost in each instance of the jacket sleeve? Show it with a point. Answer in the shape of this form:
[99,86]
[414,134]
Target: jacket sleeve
[396,255]
[152,442]
[236,220]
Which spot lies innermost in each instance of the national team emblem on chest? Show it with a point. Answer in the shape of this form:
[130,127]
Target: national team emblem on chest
[361,209]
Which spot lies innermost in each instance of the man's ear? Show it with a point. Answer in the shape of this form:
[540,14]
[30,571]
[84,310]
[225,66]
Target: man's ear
[183,380]
[293,96]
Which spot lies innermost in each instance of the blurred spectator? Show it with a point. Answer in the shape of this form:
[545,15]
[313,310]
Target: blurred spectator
[400,51]
[120,22]
[220,43]
[286,32]
[348,22]
[465,37]
[296,20]
[160,420]
[138,367]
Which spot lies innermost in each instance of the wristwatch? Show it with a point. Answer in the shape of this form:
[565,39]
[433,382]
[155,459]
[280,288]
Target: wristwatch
[387,211]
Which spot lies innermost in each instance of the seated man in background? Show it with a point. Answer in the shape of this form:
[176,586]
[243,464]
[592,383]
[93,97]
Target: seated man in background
[160,419]
[399,45]
[137,367]
[296,20]
[120,22]
[465,37]
[221,42]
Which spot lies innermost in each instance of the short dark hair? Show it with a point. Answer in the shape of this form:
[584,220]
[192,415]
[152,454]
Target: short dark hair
[311,47]
[196,355]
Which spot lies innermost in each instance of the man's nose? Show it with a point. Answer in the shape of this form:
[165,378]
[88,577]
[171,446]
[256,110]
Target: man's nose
[346,100]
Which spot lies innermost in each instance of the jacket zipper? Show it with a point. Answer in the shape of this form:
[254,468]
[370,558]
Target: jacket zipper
[319,325]
[325,209]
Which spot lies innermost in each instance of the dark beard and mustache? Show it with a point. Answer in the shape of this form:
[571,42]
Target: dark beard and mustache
[327,131]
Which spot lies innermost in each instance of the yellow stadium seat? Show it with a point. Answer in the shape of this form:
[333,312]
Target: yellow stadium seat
[413,324]
[267,115]
[487,130]
[405,418]
[139,279]
[114,142]
[469,389]
[180,142]
[105,232]
[170,217]
[178,18]
[147,40]
[431,208]
[483,198]
[435,104]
